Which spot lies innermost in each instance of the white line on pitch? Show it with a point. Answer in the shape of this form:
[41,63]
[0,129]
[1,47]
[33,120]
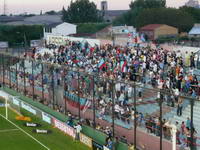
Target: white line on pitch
[25,132]
[9,130]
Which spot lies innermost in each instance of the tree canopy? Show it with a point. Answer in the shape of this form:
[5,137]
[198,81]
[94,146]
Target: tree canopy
[144,12]
[170,16]
[137,6]
[147,4]
[81,11]
[194,12]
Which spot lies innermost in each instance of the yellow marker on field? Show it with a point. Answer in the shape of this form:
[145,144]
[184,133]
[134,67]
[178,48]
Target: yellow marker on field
[23,118]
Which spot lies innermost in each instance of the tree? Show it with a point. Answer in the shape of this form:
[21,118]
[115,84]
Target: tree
[170,16]
[52,12]
[128,18]
[81,11]
[137,6]
[148,4]
[194,12]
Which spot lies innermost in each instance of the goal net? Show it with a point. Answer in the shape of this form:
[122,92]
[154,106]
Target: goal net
[6,106]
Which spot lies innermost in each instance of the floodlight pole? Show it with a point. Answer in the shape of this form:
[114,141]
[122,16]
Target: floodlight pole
[161,123]
[16,76]
[33,82]
[3,61]
[135,122]
[9,73]
[191,124]
[53,92]
[42,71]
[94,107]
[113,109]
[79,101]
[24,77]
[65,89]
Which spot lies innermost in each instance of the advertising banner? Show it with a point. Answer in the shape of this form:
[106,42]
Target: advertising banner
[97,146]
[28,108]
[46,118]
[65,128]
[61,40]
[86,140]
[16,102]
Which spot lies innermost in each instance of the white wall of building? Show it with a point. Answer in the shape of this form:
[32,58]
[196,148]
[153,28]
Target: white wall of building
[61,40]
[63,29]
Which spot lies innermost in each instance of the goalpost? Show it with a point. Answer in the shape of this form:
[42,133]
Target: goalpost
[6,105]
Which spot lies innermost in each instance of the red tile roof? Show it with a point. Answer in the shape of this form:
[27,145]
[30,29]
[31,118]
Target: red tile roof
[151,27]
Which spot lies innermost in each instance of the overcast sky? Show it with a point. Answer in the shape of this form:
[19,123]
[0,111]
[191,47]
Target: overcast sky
[35,6]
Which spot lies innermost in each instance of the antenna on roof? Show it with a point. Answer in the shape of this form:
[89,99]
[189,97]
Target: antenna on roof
[4,8]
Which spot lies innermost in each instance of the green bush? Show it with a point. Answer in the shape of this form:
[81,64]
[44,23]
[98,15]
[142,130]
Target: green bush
[90,27]
[166,39]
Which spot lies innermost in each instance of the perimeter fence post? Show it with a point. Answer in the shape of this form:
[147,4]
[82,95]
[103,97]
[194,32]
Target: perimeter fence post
[33,82]
[42,71]
[93,100]
[135,121]
[16,73]
[24,71]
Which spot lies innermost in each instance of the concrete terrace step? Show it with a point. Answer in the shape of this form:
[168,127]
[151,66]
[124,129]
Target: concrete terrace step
[195,109]
[195,114]
[184,118]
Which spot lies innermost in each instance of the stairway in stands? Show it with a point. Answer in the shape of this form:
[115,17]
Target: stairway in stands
[172,116]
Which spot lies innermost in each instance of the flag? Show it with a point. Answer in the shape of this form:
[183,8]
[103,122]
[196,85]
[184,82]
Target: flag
[142,38]
[75,61]
[101,64]
[87,105]
[92,50]
[126,31]
[123,65]
[135,40]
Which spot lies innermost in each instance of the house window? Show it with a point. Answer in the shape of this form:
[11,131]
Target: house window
[48,30]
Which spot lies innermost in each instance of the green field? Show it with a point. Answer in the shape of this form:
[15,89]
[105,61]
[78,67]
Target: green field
[12,138]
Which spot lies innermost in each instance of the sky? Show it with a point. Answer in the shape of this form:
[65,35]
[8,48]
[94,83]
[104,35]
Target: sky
[35,6]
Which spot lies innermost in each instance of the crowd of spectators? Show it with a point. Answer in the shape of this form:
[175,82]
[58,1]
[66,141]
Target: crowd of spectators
[169,71]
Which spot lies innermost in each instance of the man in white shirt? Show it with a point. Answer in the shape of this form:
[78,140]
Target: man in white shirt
[78,130]
[176,94]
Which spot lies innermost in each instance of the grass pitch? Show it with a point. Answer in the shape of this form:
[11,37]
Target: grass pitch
[12,138]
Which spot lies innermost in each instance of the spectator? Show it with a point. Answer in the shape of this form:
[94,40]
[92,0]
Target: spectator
[78,130]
